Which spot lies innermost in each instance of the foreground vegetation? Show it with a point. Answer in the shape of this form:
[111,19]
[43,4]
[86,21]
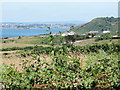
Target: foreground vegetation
[99,69]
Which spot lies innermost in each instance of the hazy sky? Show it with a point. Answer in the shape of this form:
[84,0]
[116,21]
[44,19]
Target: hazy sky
[56,11]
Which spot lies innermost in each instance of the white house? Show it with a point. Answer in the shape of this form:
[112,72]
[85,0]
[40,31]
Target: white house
[106,31]
[93,32]
[115,36]
[64,34]
[68,33]
[83,34]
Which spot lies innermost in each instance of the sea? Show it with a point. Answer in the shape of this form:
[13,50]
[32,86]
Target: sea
[28,32]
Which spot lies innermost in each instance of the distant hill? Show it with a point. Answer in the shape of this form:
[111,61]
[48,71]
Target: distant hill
[98,24]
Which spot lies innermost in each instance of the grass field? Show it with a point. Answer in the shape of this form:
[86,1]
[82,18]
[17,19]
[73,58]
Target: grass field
[33,41]
[36,40]
[23,42]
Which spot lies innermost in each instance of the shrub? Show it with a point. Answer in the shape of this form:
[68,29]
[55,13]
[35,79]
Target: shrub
[104,37]
[19,37]
[101,71]
[5,38]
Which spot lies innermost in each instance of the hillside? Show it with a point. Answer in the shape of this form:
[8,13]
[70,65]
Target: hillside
[98,24]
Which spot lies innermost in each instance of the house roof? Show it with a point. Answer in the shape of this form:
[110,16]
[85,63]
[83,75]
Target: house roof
[93,32]
[68,33]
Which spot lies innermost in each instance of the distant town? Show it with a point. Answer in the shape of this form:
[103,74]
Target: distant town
[34,26]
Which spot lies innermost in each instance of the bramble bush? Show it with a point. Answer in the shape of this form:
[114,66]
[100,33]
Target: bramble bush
[101,69]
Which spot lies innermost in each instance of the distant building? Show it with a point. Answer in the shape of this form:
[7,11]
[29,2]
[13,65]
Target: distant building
[83,34]
[72,27]
[68,33]
[55,34]
[90,36]
[97,36]
[115,36]
[93,32]
[106,31]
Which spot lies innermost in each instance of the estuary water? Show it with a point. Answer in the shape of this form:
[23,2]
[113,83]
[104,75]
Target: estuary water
[27,32]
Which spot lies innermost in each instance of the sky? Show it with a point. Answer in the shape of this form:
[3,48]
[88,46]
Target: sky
[56,11]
